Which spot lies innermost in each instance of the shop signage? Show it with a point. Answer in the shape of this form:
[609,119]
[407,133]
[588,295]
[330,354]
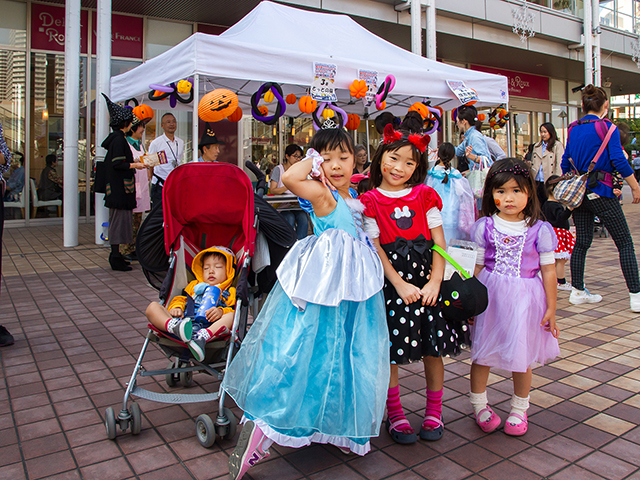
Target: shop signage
[47,31]
[521,84]
[47,28]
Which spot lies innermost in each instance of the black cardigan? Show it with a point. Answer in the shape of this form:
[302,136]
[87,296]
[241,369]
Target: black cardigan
[120,190]
[556,214]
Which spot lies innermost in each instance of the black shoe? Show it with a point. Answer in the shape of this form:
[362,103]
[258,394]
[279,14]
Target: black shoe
[6,338]
[131,257]
[119,264]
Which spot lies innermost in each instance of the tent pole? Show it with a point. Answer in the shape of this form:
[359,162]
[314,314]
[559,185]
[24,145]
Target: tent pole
[196,120]
[368,144]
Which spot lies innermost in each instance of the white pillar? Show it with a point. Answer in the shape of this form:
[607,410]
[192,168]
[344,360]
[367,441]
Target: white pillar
[431,30]
[588,43]
[597,69]
[71,121]
[416,27]
[196,119]
[103,74]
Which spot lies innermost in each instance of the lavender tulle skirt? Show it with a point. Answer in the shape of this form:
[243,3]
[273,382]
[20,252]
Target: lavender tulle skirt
[508,334]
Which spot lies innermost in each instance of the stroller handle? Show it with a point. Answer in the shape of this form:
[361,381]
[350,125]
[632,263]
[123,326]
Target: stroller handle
[261,185]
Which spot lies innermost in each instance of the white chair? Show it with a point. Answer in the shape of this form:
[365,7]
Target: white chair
[19,204]
[36,203]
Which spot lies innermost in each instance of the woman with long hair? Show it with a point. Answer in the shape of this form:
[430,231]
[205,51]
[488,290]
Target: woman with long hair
[546,158]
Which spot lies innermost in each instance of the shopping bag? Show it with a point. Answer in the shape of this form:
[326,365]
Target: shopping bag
[477,176]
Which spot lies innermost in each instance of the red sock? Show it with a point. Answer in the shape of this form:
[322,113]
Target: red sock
[434,409]
[394,411]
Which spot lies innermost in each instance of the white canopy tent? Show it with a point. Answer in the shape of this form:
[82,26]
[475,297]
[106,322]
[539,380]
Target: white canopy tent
[278,43]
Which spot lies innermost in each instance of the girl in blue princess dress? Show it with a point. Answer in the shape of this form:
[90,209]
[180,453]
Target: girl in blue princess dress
[458,204]
[314,366]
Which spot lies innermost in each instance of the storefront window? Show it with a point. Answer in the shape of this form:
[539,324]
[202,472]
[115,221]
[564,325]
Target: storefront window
[161,36]
[522,132]
[260,143]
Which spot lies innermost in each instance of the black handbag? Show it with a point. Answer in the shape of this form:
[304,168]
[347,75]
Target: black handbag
[463,296]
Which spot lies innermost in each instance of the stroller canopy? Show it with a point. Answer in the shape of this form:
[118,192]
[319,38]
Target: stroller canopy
[209,204]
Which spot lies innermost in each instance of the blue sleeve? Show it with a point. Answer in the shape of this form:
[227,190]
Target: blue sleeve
[566,164]
[460,150]
[617,157]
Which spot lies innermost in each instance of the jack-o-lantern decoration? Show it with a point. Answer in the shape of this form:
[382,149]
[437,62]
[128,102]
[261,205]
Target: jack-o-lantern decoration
[353,121]
[264,111]
[217,105]
[307,104]
[421,108]
[291,99]
[235,116]
[143,112]
[183,86]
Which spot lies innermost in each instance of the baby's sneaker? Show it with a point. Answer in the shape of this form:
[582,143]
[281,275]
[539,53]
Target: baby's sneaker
[566,286]
[198,344]
[579,297]
[181,328]
[248,450]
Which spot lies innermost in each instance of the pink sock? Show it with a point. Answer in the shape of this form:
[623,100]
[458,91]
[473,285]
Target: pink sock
[434,408]
[395,413]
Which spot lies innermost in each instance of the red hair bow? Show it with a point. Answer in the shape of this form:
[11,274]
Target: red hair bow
[390,134]
[421,142]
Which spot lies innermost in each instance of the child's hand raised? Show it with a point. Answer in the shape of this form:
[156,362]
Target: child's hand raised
[408,293]
[213,314]
[176,312]
[549,323]
[430,293]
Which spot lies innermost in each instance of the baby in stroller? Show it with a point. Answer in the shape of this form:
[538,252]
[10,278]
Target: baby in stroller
[204,312]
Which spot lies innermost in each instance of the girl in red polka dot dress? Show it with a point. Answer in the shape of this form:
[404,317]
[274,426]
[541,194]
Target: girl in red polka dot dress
[558,216]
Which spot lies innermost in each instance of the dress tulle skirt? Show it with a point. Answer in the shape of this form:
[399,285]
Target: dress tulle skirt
[318,375]
[508,334]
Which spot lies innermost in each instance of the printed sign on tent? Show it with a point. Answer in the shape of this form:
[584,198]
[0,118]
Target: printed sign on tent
[460,90]
[370,77]
[322,88]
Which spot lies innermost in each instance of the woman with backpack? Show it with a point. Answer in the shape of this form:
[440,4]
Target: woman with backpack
[586,137]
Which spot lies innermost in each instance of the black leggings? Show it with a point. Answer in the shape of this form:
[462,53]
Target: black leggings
[610,213]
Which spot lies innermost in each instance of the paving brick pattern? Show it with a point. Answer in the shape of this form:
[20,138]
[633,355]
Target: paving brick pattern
[79,328]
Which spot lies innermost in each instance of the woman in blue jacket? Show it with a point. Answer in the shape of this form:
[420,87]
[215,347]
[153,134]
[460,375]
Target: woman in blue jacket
[599,200]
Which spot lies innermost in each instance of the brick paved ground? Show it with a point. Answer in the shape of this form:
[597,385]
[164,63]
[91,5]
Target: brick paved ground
[79,327]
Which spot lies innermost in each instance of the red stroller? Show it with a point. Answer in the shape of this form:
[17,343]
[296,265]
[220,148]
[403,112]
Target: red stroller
[204,205]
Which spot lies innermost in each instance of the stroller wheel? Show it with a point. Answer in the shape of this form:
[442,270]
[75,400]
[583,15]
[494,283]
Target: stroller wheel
[136,418]
[205,431]
[233,424]
[186,378]
[172,378]
[110,423]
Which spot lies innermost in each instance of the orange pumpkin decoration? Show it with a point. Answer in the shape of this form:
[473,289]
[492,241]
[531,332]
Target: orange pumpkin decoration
[235,116]
[264,111]
[291,99]
[482,117]
[143,112]
[328,113]
[307,104]
[184,86]
[158,93]
[353,121]
[383,105]
[421,108]
[217,105]
[269,96]
[358,88]
[501,113]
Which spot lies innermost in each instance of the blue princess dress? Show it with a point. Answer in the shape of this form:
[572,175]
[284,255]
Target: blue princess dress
[314,366]
[458,203]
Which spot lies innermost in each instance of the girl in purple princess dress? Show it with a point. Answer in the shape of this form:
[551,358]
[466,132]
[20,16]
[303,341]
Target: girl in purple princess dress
[518,328]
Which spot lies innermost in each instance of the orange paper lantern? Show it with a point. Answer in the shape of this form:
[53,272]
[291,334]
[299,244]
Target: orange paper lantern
[291,99]
[235,116]
[307,104]
[217,105]
[353,121]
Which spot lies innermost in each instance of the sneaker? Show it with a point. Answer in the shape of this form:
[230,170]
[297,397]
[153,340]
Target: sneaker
[579,297]
[248,450]
[181,328]
[6,338]
[564,286]
[198,344]
[635,301]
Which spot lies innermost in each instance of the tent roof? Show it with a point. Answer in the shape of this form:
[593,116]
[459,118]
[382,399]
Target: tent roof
[278,43]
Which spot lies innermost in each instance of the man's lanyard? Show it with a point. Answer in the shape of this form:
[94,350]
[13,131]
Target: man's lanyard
[175,157]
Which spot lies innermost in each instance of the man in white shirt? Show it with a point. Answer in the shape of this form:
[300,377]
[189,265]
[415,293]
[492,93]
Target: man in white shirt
[173,147]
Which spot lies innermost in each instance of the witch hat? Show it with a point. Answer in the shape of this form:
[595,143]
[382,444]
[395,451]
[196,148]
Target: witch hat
[117,113]
[209,137]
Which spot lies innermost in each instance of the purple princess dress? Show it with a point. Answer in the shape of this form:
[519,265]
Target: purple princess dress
[508,334]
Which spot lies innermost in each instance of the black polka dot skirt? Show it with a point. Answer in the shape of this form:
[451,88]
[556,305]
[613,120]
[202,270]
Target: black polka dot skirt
[417,330]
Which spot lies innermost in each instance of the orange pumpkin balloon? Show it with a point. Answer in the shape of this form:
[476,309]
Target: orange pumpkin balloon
[383,105]
[217,105]
[235,116]
[421,108]
[143,112]
[291,99]
[353,121]
[264,111]
[307,104]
